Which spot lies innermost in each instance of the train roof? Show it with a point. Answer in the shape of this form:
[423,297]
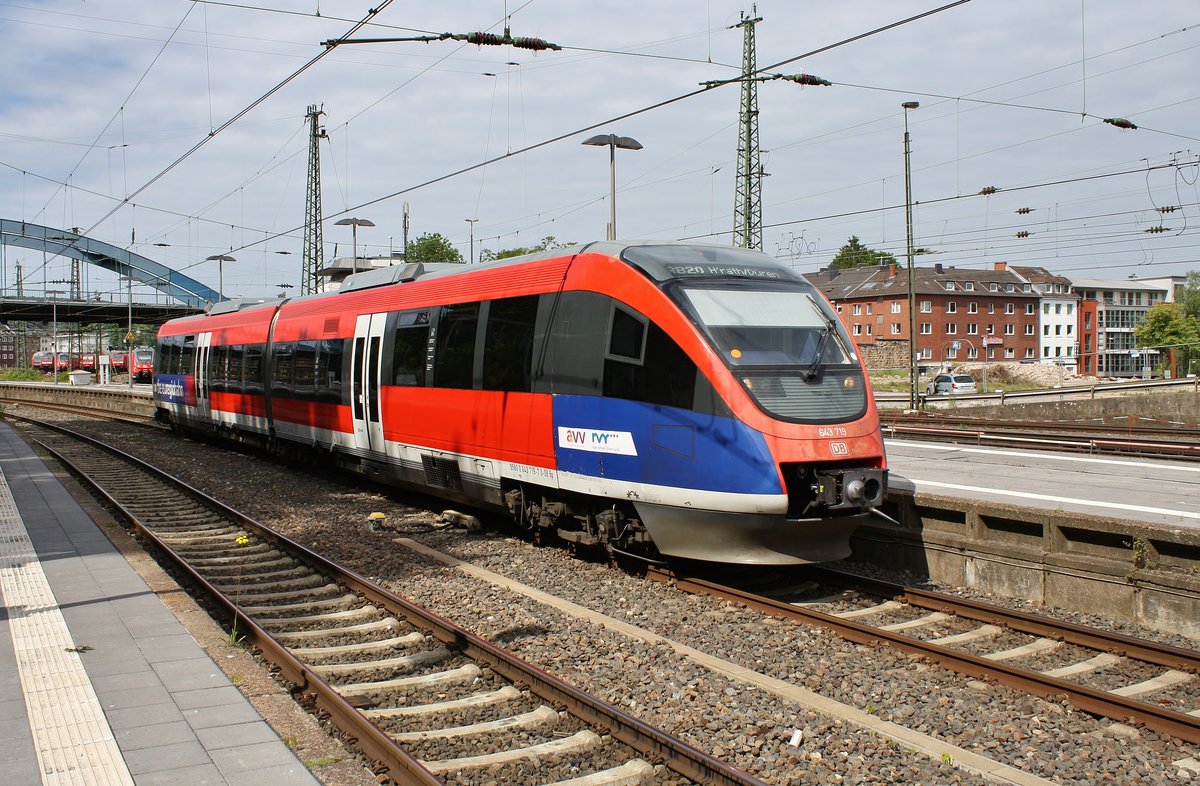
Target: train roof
[660,260]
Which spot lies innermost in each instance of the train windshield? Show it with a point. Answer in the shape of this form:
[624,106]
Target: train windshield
[786,347]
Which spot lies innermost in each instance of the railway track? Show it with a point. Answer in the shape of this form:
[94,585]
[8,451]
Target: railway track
[1130,438]
[1128,680]
[426,701]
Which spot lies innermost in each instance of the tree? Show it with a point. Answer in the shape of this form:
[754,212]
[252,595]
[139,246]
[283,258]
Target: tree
[549,242]
[1168,327]
[855,254]
[432,247]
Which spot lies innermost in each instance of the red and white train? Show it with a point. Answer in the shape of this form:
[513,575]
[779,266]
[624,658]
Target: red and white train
[654,399]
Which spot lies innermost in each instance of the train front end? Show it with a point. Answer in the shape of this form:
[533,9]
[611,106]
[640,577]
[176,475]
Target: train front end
[801,458]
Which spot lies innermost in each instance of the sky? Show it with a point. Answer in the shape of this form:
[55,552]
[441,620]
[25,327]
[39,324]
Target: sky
[177,129]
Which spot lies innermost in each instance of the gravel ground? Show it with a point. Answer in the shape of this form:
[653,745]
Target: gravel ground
[747,727]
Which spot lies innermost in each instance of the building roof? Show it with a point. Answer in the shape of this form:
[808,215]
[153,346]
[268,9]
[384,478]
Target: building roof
[892,281]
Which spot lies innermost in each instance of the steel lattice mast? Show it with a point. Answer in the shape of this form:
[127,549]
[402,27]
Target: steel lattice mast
[747,208]
[314,252]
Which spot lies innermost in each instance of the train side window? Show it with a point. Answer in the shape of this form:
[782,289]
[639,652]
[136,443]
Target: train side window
[454,361]
[668,376]
[508,348]
[627,336]
[304,375]
[218,367]
[283,364]
[330,370]
[254,368]
[187,357]
[575,336]
[409,349]
[234,379]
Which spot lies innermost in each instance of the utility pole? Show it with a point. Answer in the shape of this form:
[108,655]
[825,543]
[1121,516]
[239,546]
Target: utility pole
[747,207]
[314,253]
[404,248]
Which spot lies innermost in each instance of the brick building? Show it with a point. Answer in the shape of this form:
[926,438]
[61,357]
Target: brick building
[962,315]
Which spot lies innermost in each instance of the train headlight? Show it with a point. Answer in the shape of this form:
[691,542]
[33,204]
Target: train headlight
[849,383]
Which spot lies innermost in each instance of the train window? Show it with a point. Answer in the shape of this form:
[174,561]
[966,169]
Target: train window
[218,368]
[253,369]
[330,370]
[409,349]
[305,373]
[667,377]
[573,362]
[234,377]
[508,348]
[455,351]
[627,336]
[283,366]
[187,357]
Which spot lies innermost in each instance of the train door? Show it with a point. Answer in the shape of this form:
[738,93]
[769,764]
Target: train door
[203,348]
[364,381]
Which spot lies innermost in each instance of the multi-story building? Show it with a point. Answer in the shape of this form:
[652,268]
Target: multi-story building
[1109,312]
[1058,316]
[962,315]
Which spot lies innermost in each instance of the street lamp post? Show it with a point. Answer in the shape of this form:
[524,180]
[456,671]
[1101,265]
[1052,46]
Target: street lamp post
[220,259]
[129,335]
[354,224]
[912,275]
[471,222]
[613,142]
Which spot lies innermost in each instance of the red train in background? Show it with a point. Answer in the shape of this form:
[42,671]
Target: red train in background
[655,399]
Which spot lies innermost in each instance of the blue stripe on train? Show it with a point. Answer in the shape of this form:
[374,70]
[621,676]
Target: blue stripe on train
[597,436]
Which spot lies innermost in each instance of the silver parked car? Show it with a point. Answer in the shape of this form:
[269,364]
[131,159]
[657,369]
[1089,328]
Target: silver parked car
[951,384]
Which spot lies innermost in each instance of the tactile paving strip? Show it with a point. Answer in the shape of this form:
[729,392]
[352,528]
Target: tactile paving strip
[74,742]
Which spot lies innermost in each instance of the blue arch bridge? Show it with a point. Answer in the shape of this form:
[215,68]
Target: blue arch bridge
[181,295]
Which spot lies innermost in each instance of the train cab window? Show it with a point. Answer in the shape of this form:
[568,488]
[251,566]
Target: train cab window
[508,349]
[667,376]
[627,336]
[454,361]
[410,349]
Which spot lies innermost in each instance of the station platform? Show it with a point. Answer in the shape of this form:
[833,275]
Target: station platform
[99,682]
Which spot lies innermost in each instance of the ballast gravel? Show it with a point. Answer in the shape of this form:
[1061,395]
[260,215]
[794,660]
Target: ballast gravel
[771,737]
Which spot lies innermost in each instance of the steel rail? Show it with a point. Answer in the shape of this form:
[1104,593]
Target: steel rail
[1098,702]
[1186,450]
[648,740]
[1068,632]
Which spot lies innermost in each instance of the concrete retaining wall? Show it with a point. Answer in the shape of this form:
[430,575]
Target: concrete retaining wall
[1132,571]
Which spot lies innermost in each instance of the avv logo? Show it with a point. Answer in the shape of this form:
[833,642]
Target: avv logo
[596,441]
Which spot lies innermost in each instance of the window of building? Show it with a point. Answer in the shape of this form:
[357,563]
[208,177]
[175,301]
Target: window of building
[1045,330]
[895,328]
[1010,308]
[1010,352]
[1010,287]
[991,308]
[1010,330]
[1030,308]
[895,306]
[869,306]
[951,307]
[972,328]
[969,286]
[857,329]
[1070,309]
[857,309]
[1045,352]
[1045,308]
[870,329]
[926,328]
[951,328]
[926,353]
[1058,330]
[926,306]
[972,354]
[991,329]
[972,307]
[993,287]
[949,286]
[1029,352]
[1030,330]
[991,353]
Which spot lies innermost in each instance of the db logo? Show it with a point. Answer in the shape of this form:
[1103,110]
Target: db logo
[839,449]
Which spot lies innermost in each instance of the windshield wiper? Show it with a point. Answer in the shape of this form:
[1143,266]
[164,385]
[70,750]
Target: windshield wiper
[815,367]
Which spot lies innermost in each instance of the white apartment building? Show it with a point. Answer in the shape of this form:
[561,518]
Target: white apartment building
[1058,316]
